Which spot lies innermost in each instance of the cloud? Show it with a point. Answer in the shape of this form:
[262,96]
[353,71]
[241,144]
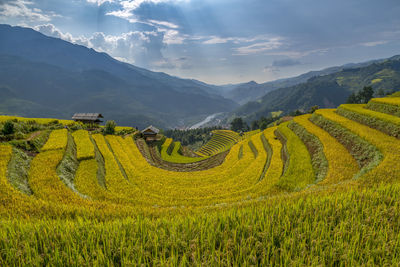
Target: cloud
[217,40]
[174,63]
[99,2]
[140,48]
[371,44]
[128,6]
[172,36]
[298,54]
[23,10]
[235,40]
[271,44]
[50,30]
[164,23]
[271,70]
[277,65]
[288,62]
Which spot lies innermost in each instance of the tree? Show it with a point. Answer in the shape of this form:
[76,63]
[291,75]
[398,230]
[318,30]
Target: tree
[110,127]
[8,128]
[297,112]
[254,125]
[353,99]
[380,93]
[313,109]
[238,125]
[362,96]
[366,94]
[263,125]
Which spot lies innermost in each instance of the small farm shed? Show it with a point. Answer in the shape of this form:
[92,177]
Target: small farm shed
[88,117]
[150,133]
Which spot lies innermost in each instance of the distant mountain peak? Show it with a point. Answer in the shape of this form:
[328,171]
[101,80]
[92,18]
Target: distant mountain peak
[252,83]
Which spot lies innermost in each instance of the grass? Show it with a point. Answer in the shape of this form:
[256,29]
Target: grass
[341,165]
[170,151]
[396,94]
[352,227]
[299,171]
[263,206]
[314,146]
[381,121]
[384,164]
[388,105]
[37,120]
[221,141]
[84,146]
[374,81]
[18,169]
[366,154]
[57,140]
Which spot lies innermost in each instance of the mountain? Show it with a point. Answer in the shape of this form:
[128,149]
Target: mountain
[43,76]
[251,91]
[326,91]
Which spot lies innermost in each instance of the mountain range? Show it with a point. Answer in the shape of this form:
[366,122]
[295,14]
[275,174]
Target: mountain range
[252,91]
[41,76]
[326,90]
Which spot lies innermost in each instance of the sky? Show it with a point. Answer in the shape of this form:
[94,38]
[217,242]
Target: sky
[220,41]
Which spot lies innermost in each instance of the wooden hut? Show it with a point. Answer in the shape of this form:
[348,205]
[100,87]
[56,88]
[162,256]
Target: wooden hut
[150,133]
[89,118]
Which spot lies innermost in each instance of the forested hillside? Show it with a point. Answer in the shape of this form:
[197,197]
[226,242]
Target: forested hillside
[327,91]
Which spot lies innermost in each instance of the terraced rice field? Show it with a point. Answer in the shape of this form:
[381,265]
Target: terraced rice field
[171,152]
[221,141]
[321,189]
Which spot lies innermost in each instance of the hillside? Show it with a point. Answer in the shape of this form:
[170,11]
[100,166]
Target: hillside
[283,192]
[326,91]
[42,76]
[252,91]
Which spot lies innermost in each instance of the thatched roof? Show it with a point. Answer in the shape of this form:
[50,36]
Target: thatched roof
[152,129]
[87,116]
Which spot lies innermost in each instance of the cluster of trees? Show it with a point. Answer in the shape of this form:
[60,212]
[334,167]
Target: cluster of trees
[8,128]
[361,97]
[191,136]
[239,125]
[365,95]
[110,127]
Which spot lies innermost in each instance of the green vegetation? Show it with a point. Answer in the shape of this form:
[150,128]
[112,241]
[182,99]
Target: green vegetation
[83,147]
[110,127]
[388,105]
[366,154]
[298,171]
[238,125]
[327,91]
[318,189]
[349,227]
[361,97]
[8,128]
[315,149]
[192,138]
[18,169]
[381,121]
[221,141]
[376,80]
[171,152]
[396,94]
